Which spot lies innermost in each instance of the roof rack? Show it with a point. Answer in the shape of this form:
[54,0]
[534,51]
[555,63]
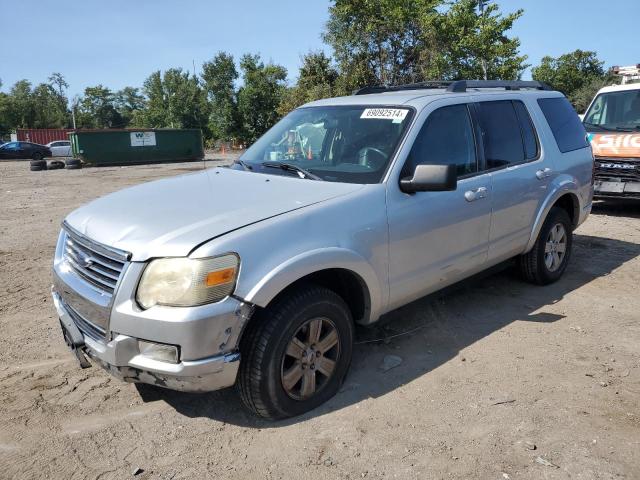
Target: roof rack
[456,86]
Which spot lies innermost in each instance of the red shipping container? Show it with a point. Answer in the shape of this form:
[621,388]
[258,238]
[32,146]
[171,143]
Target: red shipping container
[42,135]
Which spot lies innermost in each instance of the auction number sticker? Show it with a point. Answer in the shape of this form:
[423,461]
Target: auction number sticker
[395,114]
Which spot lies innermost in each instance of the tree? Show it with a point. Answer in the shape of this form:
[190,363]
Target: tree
[573,74]
[318,79]
[174,100]
[57,81]
[219,76]
[379,41]
[470,40]
[97,109]
[128,102]
[50,108]
[581,98]
[259,96]
[21,112]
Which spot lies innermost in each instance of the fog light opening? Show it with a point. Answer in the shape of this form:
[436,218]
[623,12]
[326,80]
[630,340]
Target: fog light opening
[158,351]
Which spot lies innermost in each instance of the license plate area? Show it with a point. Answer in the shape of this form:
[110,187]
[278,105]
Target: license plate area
[74,340]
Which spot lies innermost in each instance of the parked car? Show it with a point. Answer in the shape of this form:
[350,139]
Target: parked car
[60,148]
[19,150]
[346,209]
[613,123]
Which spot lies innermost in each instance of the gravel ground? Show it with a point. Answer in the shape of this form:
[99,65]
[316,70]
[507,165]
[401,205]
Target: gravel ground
[498,379]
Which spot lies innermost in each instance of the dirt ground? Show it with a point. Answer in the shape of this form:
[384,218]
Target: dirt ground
[499,379]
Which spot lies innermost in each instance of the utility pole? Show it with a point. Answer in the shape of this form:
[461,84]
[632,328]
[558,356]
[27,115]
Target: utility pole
[482,60]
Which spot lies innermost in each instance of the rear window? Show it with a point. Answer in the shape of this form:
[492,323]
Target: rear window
[564,122]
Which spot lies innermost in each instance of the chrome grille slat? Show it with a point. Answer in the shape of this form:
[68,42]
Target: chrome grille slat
[116,266]
[85,326]
[107,272]
[96,264]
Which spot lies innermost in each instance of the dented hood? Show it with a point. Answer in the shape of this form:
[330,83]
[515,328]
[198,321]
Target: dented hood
[170,217]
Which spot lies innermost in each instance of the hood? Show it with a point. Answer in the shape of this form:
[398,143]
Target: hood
[170,217]
[615,145]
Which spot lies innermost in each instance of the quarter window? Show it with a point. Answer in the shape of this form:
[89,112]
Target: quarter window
[565,124]
[446,138]
[501,134]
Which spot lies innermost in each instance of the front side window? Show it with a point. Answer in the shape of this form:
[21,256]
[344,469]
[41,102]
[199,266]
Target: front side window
[502,136]
[351,144]
[619,111]
[446,138]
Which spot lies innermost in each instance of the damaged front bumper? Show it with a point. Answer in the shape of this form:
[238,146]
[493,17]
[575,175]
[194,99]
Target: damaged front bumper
[121,356]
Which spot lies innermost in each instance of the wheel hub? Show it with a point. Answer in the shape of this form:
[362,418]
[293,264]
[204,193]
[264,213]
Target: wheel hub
[310,358]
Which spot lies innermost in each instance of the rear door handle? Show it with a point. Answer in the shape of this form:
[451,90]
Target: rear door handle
[473,195]
[542,174]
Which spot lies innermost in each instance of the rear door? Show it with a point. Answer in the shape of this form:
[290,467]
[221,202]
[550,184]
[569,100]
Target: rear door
[520,172]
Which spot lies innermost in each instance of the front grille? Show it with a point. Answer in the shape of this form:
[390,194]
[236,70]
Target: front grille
[626,169]
[85,326]
[98,265]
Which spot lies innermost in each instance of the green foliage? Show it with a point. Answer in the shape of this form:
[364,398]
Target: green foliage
[174,100]
[50,107]
[219,76]
[581,97]
[379,41]
[259,96]
[129,102]
[576,74]
[97,109]
[318,79]
[474,45]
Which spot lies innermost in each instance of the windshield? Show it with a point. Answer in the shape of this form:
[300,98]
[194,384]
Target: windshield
[351,144]
[618,111]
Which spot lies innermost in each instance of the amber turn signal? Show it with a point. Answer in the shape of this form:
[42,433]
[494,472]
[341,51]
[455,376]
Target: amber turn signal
[220,277]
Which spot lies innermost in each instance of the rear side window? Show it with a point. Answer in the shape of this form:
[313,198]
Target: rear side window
[528,133]
[502,136]
[564,122]
[446,138]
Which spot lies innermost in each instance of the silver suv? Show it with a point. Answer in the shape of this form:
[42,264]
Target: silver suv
[346,209]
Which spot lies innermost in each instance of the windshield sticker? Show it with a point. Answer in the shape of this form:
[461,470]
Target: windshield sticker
[397,115]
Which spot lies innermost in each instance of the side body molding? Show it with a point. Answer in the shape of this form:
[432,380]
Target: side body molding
[313,261]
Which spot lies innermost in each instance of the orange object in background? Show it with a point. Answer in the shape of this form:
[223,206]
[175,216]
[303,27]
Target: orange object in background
[309,154]
[615,144]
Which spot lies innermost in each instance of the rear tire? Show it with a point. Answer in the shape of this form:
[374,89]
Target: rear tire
[548,259]
[295,355]
[37,156]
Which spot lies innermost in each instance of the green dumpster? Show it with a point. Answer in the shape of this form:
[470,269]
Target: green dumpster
[136,147]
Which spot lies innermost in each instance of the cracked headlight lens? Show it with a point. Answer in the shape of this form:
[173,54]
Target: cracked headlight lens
[187,282]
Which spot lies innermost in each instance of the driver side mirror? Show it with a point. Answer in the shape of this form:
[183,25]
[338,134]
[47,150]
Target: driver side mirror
[431,178]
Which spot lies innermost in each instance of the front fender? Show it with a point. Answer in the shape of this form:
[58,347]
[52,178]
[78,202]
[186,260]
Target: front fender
[283,275]
[560,186]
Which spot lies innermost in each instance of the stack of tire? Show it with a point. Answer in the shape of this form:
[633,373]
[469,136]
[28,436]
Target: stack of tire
[70,164]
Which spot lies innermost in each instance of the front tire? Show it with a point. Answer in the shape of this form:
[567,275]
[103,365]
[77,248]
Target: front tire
[549,257]
[296,353]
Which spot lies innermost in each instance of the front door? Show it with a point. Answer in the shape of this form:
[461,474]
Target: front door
[437,238]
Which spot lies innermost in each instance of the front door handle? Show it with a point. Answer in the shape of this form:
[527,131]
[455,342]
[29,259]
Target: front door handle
[542,174]
[473,195]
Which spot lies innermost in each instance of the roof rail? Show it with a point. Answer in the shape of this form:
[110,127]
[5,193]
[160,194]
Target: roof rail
[455,86]
[409,86]
[462,85]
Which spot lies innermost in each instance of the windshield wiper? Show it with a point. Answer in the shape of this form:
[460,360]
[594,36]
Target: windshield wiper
[602,127]
[289,167]
[243,164]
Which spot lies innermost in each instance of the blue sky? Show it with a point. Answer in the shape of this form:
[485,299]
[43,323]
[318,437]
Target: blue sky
[120,42]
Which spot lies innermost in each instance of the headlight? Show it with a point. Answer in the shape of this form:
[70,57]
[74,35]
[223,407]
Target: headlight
[186,282]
